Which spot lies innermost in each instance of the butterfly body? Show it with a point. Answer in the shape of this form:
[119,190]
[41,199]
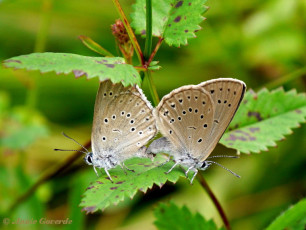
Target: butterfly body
[193,118]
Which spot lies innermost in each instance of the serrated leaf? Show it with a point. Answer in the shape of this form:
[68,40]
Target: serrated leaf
[113,68]
[293,218]
[171,217]
[264,118]
[102,193]
[173,20]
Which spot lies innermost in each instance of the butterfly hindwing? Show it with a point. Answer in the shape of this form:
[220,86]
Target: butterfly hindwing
[226,94]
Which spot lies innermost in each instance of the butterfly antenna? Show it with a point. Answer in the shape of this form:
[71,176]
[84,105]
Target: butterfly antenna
[75,141]
[221,156]
[73,150]
[224,168]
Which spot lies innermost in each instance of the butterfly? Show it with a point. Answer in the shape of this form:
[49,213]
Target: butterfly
[192,120]
[123,123]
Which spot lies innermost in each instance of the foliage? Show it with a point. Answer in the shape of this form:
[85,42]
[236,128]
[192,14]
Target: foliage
[261,43]
[20,126]
[169,216]
[175,21]
[293,218]
[263,118]
[103,193]
[113,68]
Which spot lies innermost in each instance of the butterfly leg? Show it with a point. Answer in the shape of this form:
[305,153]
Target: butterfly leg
[194,175]
[186,172]
[176,163]
[131,170]
[123,169]
[108,175]
[162,164]
[95,171]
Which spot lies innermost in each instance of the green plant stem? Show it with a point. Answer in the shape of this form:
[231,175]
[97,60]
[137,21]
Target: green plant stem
[51,173]
[148,50]
[129,31]
[39,46]
[42,34]
[214,200]
[287,78]
[148,43]
[152,88]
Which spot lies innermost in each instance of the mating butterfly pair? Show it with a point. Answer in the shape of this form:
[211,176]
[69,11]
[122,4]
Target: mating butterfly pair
[192,119]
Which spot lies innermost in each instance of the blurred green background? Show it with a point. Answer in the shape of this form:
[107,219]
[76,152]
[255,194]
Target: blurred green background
[260,42]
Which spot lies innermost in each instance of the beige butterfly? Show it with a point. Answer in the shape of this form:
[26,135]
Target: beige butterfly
[192,120]
[123,123]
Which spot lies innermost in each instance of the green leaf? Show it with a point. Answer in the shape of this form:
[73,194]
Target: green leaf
[20,126]
[32,207]
[113,68]
[293,218]
[153,66]
[263,118]
[173,20]
[171,217]
[102,193]
[77,185]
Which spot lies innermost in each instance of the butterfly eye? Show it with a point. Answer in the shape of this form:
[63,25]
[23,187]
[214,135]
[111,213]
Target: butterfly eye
[88,158]
[204,165]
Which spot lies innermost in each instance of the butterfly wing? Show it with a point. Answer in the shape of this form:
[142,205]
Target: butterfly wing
[185,118]
[123,121]
[226,94]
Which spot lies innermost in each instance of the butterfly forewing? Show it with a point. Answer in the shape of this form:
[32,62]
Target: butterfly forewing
[185,117]
[123,120]
[226,94]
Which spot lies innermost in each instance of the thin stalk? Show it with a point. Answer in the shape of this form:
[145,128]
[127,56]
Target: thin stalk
[152,88]
[129,31]
[41,37]
[287,78]
[148,50]
[148,43]
[140,68]
[214,200]
[155,50]
[39,46]
[46,177]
